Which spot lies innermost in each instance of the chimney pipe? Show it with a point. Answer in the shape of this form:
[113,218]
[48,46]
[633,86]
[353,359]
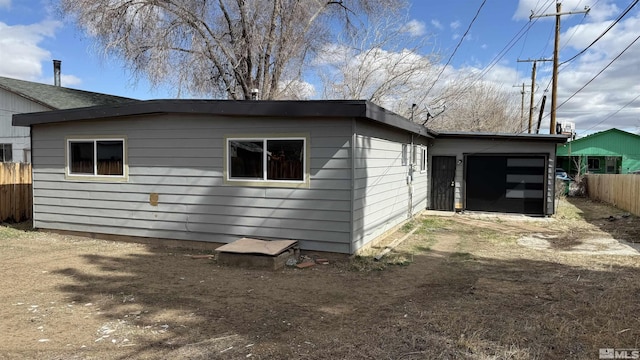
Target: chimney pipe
[56,72]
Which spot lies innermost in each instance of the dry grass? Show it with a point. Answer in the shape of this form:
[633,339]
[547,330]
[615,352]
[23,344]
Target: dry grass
[458,288]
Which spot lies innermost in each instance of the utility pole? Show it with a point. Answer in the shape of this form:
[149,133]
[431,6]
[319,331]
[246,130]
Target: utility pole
[522,92]
[556,47]
[533,87]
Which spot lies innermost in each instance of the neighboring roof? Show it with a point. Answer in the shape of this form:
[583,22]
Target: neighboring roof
[612,142]
[255,108]
[556,138]
[57,97]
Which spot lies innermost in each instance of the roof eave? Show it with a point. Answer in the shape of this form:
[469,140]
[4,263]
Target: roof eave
[327,109]
[554,138]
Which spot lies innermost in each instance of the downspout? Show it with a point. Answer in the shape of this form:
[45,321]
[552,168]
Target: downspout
[412,155]
[33,199]
[353,185]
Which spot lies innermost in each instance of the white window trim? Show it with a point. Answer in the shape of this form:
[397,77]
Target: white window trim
[423,159]
[405,155]
[264,182]
[95,177]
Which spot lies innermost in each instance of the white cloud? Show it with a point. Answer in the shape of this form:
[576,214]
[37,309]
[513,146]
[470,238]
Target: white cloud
[415,28]
[436,24]
[604,103]
[332,54]
[454,25]
[65,80]
[296,89]
[613,89]
[602,10]
[5,4]
[22,42]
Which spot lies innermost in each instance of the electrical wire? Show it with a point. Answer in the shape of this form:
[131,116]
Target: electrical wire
[575,30]
[622,15]
[456,48]
[514,40]
[613,114]
[598,74]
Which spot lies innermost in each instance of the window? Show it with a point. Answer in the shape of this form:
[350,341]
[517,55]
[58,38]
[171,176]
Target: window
[405,157]
[594,164]
[6,153]
[262,160]
[423,160]
[104,158]
[611,164]
[414,155]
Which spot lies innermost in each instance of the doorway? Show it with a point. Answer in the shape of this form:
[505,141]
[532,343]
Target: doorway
[443,173]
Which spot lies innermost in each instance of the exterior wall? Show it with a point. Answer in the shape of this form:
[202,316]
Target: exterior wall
[18,136]
[180,157]
[381,192]
[611,142]
[630,162]
[460,147]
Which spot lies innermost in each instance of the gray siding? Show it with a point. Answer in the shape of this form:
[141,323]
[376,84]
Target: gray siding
[18,136]
[181,159]
[381,193]
[460,147]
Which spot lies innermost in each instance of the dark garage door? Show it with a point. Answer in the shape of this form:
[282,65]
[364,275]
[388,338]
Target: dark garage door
[505,183]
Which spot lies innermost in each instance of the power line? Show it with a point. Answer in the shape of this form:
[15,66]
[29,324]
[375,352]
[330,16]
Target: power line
[514,40]
[624,13]
[614,113]
[564,63]
[593,78]
[575,30]
[600,72]
[456,48]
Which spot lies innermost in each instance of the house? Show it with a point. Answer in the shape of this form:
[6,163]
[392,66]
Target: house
[335,175]
[18,96]
[611,151]
[512,173]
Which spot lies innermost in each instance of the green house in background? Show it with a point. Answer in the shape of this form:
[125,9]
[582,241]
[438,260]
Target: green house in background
[611,151]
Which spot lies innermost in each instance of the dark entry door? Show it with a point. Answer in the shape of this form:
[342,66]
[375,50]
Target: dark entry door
[443,173]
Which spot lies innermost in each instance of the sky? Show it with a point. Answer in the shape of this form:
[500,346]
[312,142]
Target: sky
[597,90]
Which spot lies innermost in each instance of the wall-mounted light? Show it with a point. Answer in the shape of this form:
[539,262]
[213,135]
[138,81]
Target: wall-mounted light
[460,162]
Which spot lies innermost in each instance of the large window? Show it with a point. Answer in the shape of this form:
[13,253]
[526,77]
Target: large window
[104,158]
[423,159]
[273,159]
[6,153]
[594,164]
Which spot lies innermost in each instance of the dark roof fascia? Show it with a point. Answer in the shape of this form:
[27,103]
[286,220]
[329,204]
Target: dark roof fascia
[382,115]
[254,108]
[555,138]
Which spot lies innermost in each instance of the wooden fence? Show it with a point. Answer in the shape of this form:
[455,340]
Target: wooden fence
[622,191]
[15,192]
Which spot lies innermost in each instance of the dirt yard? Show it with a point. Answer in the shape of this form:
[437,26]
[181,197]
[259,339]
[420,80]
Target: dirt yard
[461,287]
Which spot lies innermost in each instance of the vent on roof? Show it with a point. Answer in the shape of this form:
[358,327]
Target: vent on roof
[56,72]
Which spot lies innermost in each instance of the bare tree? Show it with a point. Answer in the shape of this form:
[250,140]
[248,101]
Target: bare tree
[375,63]
[479,107]
[221,48]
